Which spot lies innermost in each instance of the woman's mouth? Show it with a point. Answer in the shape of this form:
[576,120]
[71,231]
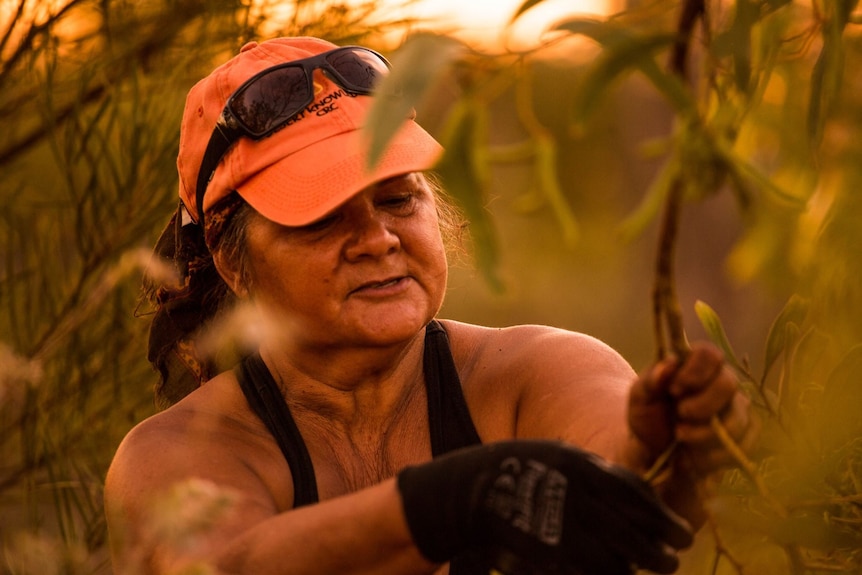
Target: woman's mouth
[391,286]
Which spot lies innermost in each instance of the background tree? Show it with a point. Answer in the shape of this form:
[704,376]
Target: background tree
[92,93]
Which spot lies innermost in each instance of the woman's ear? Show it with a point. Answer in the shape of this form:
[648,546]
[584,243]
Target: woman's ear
[231,272]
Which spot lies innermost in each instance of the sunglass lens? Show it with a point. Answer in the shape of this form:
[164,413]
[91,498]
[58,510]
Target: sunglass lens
[358,70]
[272,100]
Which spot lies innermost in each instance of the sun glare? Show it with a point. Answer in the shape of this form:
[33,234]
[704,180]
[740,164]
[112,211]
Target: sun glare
[481,23]
[484,22]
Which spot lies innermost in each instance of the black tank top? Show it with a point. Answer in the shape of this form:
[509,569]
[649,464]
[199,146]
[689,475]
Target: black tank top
[451,426]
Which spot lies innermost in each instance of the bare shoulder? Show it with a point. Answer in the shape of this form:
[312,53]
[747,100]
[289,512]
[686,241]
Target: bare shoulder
[202,445]
[541,381]
[532,347]
[199,436]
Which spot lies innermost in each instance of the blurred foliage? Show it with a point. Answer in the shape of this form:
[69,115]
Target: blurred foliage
[761,101]
[92,96]
[560,154]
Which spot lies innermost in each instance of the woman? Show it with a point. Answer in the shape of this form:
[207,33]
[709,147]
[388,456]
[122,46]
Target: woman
[362,435]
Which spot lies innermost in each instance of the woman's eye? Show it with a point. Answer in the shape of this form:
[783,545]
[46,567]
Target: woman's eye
[398,202]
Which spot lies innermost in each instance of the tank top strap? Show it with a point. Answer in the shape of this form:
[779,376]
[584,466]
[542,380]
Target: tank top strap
[449,419]
[450,424]
[264,397]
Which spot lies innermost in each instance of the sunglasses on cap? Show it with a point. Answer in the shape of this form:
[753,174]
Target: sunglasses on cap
[269,100]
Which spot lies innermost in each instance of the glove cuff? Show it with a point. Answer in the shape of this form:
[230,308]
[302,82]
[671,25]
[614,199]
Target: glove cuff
[437,524]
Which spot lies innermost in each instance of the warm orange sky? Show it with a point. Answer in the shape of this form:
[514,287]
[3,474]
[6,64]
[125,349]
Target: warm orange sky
[482,21]
[484,15]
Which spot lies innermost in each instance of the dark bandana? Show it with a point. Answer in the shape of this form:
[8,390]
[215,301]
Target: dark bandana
[218,216]
[183,306]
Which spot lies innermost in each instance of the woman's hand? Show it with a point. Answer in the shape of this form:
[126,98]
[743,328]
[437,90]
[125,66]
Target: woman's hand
[531,506]
[682,401]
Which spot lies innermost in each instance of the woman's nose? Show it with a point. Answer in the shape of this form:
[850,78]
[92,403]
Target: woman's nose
[372,235]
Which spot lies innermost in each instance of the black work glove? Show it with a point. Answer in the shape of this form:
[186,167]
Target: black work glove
[531,506]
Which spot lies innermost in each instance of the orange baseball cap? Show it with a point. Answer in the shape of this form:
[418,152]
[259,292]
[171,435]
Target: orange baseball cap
[305,169]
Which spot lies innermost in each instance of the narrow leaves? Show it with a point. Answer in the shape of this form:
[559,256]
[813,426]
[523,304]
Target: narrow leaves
[714,328]
[463,174]
[523,8]
[793,313]
[624,52]
[415,68]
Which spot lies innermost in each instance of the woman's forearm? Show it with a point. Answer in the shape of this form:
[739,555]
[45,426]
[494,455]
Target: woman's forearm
[364,532]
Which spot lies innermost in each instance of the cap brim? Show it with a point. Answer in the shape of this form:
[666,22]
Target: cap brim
[311,182]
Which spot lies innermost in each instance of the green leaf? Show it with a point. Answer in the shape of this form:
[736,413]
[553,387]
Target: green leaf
[714,328]
[744,171]
[652,202]
[794,312]
[825,79]
[624,52]
[523,8]
[546,173]
[770,6]
[529,202]
[462,179]
[670,86]
[635,53]
[736,41]
[415,68]
[602,31]
[827,73]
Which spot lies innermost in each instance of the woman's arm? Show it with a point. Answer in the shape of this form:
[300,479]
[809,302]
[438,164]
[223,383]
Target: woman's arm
[226,518]
[575,388]
[363,532]
[539,504]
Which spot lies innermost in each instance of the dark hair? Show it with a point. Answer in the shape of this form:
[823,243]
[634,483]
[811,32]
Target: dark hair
[190,299]
[186,309]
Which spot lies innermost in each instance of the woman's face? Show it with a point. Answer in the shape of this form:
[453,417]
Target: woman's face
[371,272]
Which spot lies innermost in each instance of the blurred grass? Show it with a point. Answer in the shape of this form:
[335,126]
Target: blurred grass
[91,103]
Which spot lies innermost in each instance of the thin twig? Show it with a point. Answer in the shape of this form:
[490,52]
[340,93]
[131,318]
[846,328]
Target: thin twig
[26,43]
[654,474]
[665,300]
[666,308]
[746,465]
